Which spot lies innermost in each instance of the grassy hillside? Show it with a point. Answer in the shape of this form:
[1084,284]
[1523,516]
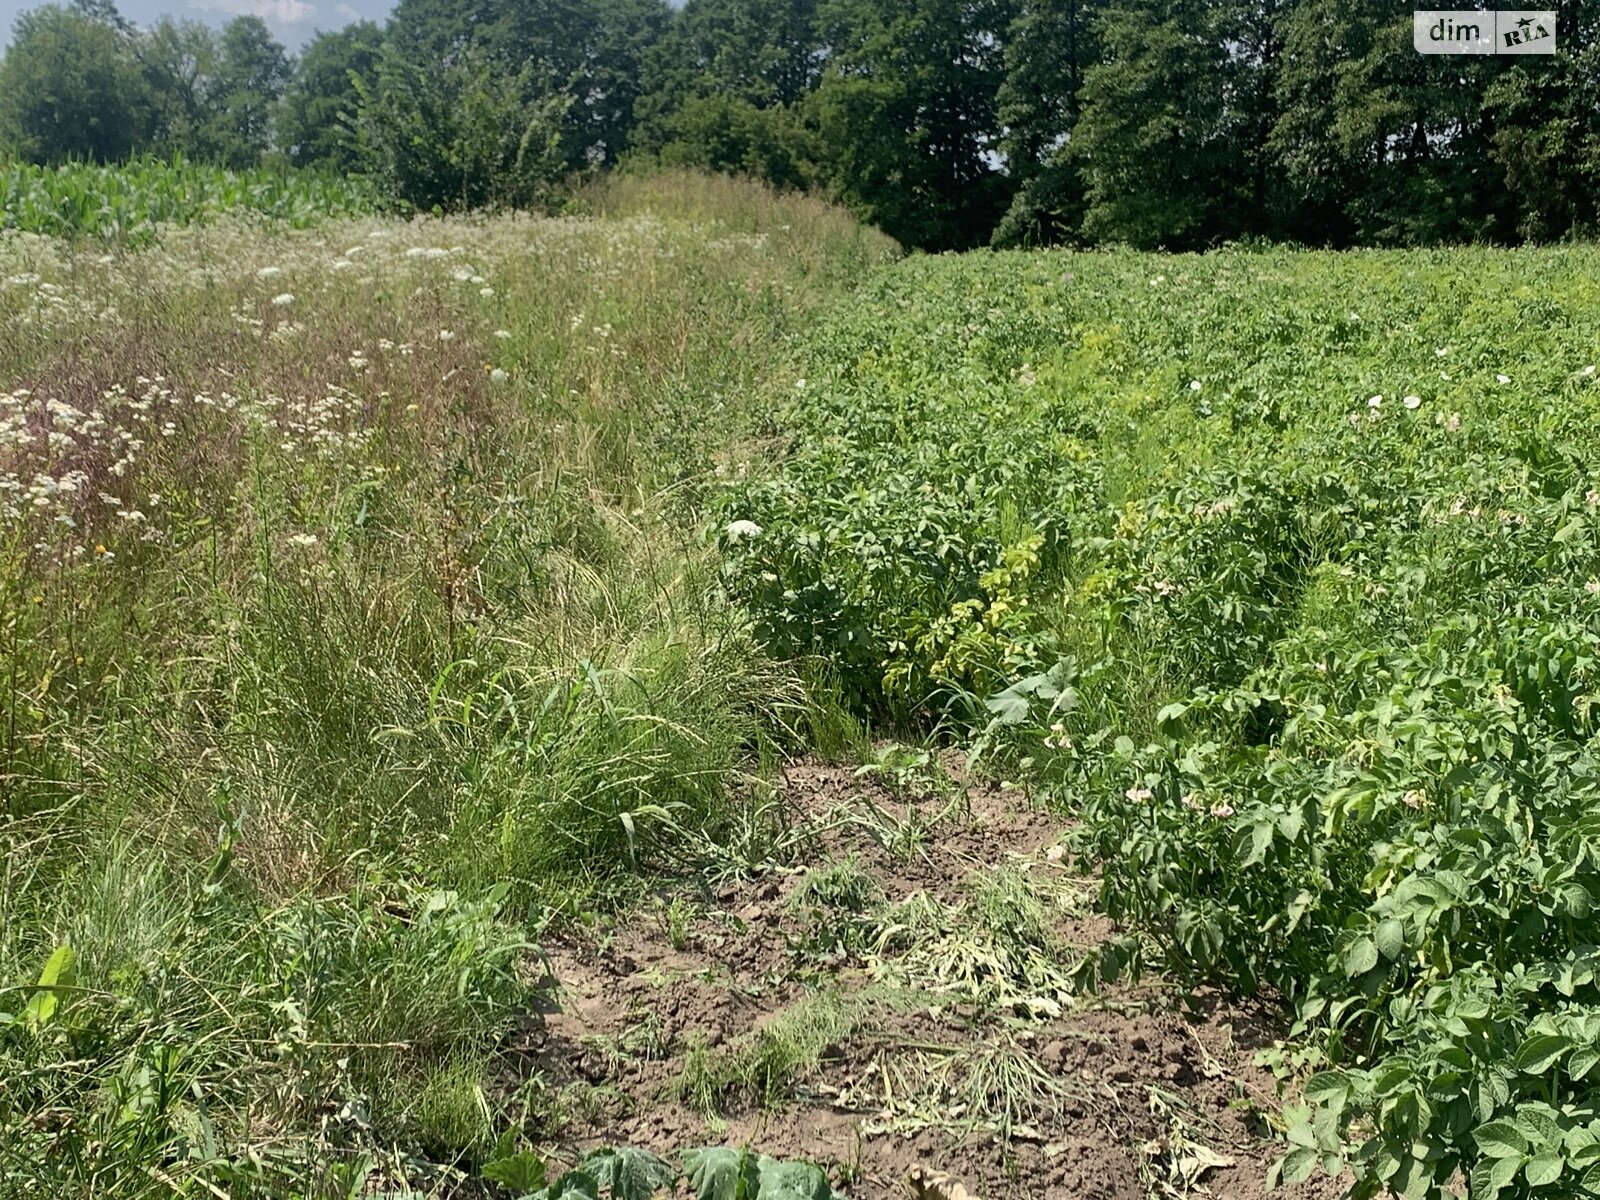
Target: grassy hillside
[357,620]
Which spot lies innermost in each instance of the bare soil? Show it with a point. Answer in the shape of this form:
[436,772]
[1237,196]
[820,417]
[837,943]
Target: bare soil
[945,1070]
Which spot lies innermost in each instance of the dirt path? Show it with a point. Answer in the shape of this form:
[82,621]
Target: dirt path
[906,1002]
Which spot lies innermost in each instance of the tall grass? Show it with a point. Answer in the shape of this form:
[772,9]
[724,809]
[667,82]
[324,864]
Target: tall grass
[358,619]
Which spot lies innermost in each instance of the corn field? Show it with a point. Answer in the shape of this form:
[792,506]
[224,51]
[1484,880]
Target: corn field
[130,200]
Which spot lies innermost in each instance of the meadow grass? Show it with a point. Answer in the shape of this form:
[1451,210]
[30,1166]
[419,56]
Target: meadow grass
[359,618]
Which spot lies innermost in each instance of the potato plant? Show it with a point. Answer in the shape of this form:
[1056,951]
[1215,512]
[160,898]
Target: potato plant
[1281,572]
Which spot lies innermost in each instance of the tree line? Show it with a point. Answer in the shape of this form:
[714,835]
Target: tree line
[947,123]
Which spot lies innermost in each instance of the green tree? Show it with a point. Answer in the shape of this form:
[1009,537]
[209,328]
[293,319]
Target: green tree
[461,134]
[252,70]
[178,60]
[71,87]
[1164,137]
[1048,47]
[316,120]
[906,115]
[723,87]
[1380,144]
[1545,121]
[588,52]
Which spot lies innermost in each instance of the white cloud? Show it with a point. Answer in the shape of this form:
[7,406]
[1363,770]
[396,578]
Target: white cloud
[274,12]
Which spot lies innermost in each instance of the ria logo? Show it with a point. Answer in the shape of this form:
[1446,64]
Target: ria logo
[1513,31]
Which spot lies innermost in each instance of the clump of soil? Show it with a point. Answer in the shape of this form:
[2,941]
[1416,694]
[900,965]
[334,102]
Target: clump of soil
[901,1005]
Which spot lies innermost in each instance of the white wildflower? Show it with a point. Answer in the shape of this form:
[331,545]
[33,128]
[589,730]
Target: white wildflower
[303,539]
[498,375]
[502,334]
[283,299]
[1194,385]
[1502,379]
[1412,402]
[447,335]
[739,530]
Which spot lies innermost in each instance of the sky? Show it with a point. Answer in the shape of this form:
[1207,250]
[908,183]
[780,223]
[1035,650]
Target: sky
[291,21]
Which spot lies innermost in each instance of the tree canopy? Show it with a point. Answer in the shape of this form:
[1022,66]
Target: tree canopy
[949,123]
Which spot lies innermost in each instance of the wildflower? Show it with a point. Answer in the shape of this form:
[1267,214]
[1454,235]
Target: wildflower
[1592,587]
[1587,371]
[1453,423]
[303,539]
[800,384]
[269,272]
[1194,385]
[1374,401]
[1191,803]
[486,292]
[283,299]
[1502,379]
[447,335]
[1440,352]
[1355,420]
[1222,811]
[1592,497]
[1412,799]
[341,264]
[739,530]
[498,375]
[1138,794]
[1412,402]
[502,334]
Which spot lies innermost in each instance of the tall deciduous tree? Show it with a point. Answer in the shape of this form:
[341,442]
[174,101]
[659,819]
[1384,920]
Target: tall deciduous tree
[1379,143]
[71,87]
[178,60]
[1163,140]
[906,115]
[317,117]
[1048,47]
[1545,123]
[252,71]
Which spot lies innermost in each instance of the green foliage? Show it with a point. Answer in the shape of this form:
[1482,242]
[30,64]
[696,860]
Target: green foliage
[131,201]
[321,103]
[623,1173]
[70,88]
[250,76]
[462,134]
[1280,570]
[296,765]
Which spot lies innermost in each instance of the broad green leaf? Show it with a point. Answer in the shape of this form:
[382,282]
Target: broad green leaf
[1361,957]
[630,1174]
[1543,1168]
[1500,1139]
[577,1184]
[522,1172]
[1492,1175]
[792,1181]
[1298,1164]
[1582,1061]
[722,1173]
[59,971]
[1539,1052]
[1390,938]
